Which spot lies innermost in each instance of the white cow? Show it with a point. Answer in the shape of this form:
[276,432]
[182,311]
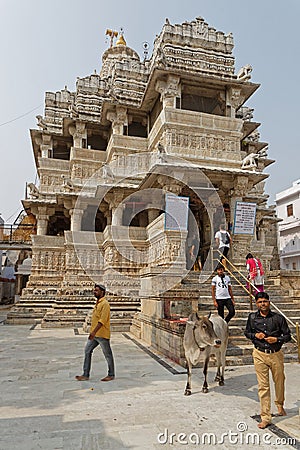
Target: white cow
[200,336]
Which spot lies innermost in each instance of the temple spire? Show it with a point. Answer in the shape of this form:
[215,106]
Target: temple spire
[121,40]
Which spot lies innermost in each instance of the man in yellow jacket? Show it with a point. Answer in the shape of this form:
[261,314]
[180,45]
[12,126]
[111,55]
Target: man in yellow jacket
[99,335]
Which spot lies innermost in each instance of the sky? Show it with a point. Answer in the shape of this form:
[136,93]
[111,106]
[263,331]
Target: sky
[46,45]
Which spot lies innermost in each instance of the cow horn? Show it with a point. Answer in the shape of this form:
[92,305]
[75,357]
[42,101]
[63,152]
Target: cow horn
[197,315]
[209,315]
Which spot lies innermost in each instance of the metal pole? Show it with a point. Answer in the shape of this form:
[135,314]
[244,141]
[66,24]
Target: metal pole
[298,340]
[250,295]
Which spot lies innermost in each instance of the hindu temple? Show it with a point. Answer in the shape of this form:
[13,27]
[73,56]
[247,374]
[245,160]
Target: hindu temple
[144,155]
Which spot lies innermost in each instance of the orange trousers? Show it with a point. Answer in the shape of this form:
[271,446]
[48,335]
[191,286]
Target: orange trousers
[263,363]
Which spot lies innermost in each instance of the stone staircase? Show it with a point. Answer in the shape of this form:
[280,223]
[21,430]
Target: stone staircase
[70,311]
[57,311]
[240,348]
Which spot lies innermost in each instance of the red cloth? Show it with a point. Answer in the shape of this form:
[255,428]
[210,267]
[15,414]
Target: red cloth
[253,264]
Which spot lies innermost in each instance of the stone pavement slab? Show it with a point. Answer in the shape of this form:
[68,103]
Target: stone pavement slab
[43,407]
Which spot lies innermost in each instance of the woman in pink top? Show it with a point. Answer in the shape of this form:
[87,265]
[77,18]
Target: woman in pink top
[255,273]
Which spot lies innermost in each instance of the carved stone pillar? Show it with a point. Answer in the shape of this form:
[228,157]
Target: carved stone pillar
[152,214]
[118,119]
[241,187]
[211,202]
[169,90]
[241,243]
[76,216]
[114,200]
[173,186]
[79,133]
[106,211]
[234,99]
[262,230]
[42,218]
[46,146]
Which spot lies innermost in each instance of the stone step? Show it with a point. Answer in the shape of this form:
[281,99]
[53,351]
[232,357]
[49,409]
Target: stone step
[72,304]
[238,350]
[245,358]
[242,360]
[243,303]
[242,354]
[237,340]
[118,325]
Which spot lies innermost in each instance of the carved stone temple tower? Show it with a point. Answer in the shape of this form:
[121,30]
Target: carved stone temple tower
[112,154]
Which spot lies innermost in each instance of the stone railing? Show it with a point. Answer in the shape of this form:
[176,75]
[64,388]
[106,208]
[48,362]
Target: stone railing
[52,172]
[198,136]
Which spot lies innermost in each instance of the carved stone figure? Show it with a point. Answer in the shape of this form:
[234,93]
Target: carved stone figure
[254,136]
[41,122]
[251,159]
[33,190]
[245,113]
[161,153]
[244,74]
[67,183]
[107,173]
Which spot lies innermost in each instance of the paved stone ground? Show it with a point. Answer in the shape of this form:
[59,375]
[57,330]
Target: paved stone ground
[42,406]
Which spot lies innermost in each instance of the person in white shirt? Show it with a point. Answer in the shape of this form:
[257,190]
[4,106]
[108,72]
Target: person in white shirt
[222,295]
[223,241]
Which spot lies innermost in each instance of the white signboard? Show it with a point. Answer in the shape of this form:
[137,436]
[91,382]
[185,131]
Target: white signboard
[244,218]
[177,210]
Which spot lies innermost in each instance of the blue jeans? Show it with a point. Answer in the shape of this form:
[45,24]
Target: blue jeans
[106,349]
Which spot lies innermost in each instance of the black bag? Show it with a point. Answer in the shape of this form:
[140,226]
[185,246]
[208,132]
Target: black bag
[225,238]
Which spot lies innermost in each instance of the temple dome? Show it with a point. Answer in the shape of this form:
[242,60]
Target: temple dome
[120,53]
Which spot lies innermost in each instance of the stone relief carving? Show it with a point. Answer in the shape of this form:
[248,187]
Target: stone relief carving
[160,57]
[168,89]
[241,186]
[235,97]
[48,262]
[82,171]
[197,60]
[207,144]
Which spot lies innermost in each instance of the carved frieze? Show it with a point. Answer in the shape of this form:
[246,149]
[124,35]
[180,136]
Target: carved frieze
[206,144]
[198,61]
[48,262]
